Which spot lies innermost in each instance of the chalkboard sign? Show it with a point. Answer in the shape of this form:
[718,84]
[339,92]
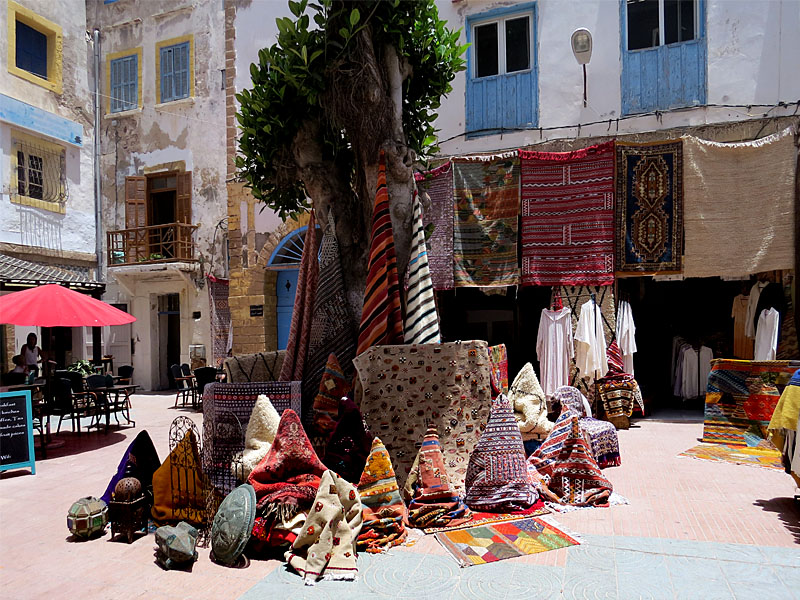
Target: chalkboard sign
[16,431]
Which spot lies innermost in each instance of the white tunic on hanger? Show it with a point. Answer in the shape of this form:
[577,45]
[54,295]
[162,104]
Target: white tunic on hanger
[694,374]
[752,306]
[626,335]
[767,335]
[554,348]
[590,342]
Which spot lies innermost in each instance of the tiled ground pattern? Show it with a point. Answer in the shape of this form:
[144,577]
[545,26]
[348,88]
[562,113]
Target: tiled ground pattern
[691,530]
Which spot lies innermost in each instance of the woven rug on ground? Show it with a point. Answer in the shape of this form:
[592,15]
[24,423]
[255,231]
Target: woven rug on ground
[492,543]
[740,455]
[741,397]
[437,218]
[406,388]
[485,224]
[649,204]
[486,518]
[721,179]
[568,216]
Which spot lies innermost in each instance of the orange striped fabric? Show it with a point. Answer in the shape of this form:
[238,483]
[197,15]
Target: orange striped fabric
[381,317]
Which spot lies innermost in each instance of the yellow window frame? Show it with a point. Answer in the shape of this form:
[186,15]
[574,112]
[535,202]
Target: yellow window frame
[55,46]
[23,200]
[172,42]
[122,54]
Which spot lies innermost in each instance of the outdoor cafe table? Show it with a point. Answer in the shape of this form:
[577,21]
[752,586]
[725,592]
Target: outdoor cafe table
[116,391]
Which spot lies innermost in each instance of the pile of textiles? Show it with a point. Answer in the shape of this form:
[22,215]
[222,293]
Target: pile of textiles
[326,546]
[433,501]
[783,427]
[286,482]
[530,405]
[261,430]
[384,511]
[497,477]
[602,435]
[565,460]
[618,393]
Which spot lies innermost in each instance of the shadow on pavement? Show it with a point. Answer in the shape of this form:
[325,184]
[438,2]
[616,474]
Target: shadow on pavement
[788,511]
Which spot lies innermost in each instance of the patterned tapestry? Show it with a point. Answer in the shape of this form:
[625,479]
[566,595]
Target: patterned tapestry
[437,219]
[485,224]
[741,397]
[220,318]
[649,204]
[568,216]
[407,388]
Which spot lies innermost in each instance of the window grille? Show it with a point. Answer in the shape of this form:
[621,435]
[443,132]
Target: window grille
[41,172]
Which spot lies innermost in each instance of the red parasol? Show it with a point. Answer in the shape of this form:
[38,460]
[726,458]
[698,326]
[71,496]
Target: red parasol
[53,305]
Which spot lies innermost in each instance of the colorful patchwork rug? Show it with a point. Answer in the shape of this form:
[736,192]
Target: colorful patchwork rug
[437,219]
[740,455]
[492,543]
[649,204]
[568,216]
[487,518]
[406,388]
[381,315]
[741,397]
[485,225]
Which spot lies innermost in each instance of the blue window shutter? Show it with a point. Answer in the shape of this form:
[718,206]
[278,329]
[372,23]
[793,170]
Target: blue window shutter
[181,70]
[166,74]
[31,50]
[124,83]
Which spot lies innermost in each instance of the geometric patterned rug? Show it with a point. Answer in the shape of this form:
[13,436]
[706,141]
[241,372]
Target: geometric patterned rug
[485,518]
[491,543]
[740,455]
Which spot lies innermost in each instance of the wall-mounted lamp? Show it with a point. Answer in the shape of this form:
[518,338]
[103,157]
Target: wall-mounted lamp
[582,49]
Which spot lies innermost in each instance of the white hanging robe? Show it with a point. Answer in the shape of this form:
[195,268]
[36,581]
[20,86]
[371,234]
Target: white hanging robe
[767,334]
[626,335]
[590,342]
[554,348]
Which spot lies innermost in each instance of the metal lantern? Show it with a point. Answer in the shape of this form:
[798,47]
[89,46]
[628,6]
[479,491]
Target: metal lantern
[129,508]
[87,516]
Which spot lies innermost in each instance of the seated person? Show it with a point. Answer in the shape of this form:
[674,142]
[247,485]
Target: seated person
[18,374]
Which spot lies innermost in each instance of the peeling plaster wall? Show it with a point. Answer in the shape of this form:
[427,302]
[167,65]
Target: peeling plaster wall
[187,134]
[752,59]
[74,231]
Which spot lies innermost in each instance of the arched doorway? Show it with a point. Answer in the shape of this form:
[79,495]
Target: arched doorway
[285,259]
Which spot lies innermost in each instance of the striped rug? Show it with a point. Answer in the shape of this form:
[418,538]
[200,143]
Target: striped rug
[422,322]
[381,317]
[436,185]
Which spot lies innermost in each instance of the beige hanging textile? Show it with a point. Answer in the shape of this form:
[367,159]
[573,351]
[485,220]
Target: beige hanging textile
[739,202]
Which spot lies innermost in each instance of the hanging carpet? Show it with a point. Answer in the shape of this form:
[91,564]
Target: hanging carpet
[568,216]
[649,203]
[437,219]
[422,321]
[485,223]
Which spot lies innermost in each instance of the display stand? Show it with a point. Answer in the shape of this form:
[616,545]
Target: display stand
[16,431]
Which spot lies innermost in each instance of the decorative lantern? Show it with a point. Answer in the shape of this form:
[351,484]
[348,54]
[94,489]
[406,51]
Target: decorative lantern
[175,545]
[87,516]
[129,508]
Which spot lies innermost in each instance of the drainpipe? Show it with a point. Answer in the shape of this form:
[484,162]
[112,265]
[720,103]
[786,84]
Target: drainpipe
[98,198]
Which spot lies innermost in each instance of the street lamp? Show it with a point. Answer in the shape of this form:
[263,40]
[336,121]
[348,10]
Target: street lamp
[582,49]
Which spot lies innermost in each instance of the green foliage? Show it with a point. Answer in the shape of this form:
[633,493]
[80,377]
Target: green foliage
[84,367]
[292,76]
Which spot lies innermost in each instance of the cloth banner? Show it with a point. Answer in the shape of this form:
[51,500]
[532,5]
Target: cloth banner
[649,206]
[437,219]
[422,320]
[568,216]
[408,388]
[220,318]
[739,205]
[485,225]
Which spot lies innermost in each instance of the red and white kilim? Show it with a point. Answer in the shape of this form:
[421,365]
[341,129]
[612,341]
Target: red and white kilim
[568,216]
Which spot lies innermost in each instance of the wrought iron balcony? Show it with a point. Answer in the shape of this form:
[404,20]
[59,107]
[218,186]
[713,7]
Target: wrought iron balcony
[151,244]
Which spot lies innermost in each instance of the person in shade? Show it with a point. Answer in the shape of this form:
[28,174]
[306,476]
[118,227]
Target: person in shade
[385,514]
[326,545]
[286,482]
[433,502]
[497,476]
[350,443]
[140,461]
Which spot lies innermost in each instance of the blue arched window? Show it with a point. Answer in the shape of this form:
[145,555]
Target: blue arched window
[286,260]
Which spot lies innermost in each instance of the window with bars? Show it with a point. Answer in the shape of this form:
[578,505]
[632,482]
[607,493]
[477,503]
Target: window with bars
[40,170]
[175,72]
[124,83]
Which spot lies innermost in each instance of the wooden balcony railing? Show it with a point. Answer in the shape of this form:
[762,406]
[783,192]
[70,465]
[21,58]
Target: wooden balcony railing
[152,244]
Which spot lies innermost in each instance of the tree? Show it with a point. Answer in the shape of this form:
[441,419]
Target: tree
[345,80]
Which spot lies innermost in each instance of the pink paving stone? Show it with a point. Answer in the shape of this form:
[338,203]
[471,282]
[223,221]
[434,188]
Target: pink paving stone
[671,497]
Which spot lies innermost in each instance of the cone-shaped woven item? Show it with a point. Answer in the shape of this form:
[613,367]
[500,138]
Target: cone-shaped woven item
[349,445]
[385,512]
[381,316]
[530,405]
[433,503]
[332,388]
[497,475]
[422,322]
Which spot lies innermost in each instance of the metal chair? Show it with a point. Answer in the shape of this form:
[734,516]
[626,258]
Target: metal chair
[124,375]
[82,403]
[185,386]
[203,376]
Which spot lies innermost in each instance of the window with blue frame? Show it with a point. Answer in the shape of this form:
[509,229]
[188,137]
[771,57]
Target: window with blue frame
[502,77]
[124,83]
[175,72]
[31,50]
[663,54]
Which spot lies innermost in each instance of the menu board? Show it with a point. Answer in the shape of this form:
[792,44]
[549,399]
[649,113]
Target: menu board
[16,431]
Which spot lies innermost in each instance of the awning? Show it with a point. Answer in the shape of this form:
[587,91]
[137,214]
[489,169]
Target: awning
[16,274]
